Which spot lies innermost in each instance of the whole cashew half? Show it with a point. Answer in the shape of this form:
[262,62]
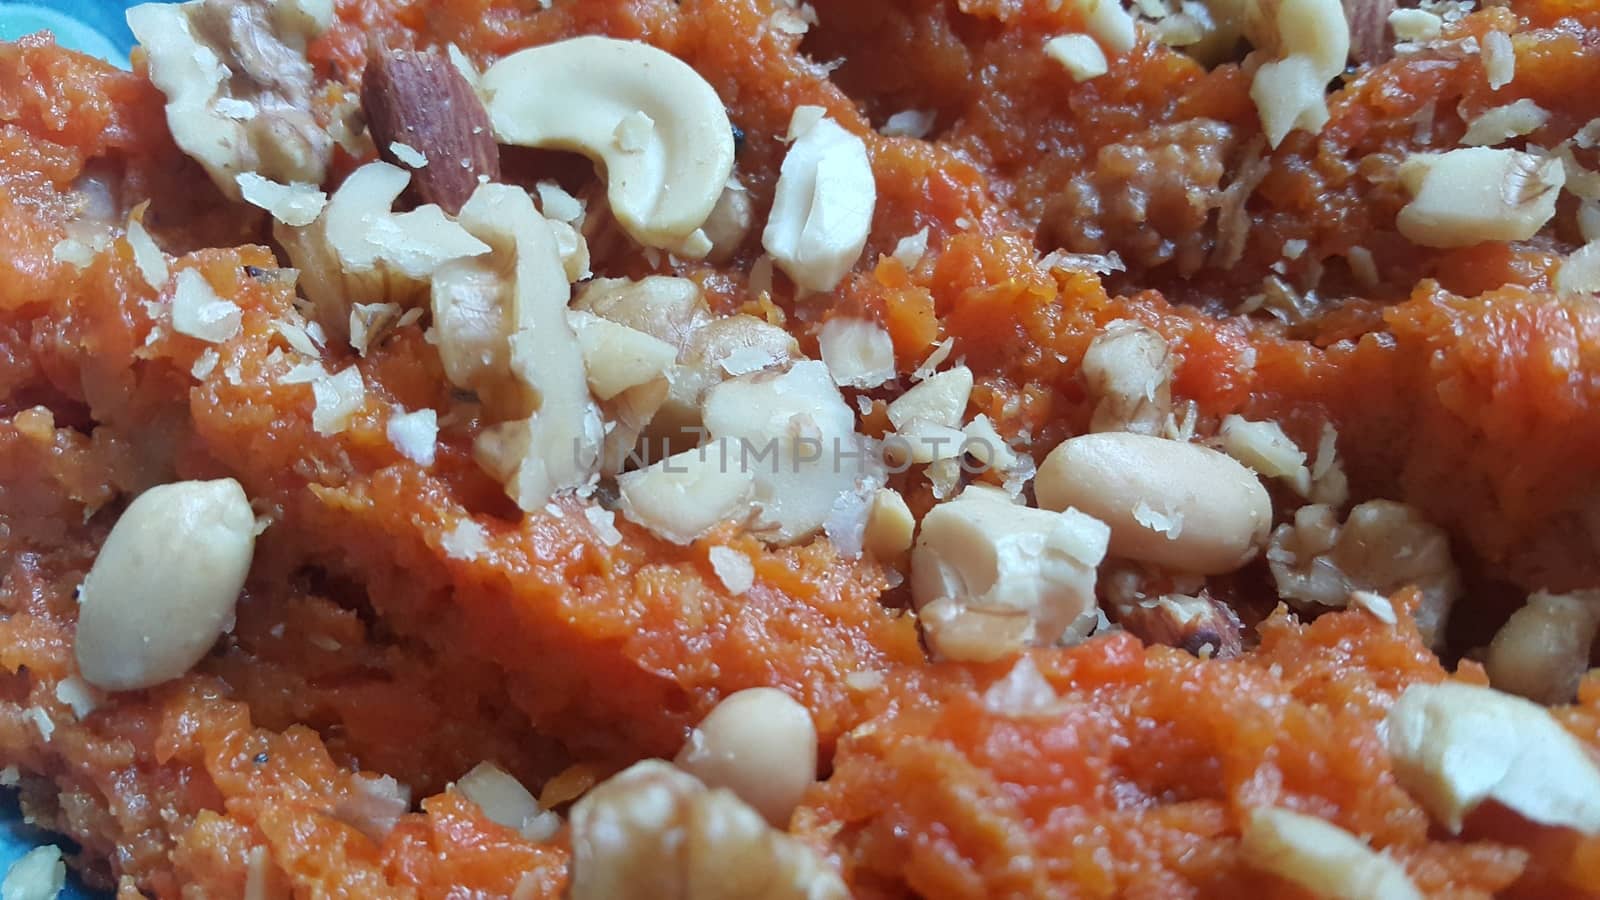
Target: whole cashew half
[658,128]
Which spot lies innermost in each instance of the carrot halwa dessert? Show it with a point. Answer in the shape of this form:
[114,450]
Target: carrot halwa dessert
[750,448]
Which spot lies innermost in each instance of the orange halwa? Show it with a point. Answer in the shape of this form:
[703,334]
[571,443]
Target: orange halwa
[369,666]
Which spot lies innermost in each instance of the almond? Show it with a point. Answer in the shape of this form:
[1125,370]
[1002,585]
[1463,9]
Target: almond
[1370,41]
[422,103]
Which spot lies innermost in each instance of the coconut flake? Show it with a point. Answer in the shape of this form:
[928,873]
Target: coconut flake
[1022,692]
[339,397]
[604,523]
[415,434]
[466,541]
[1499,59]
[914,123]
[149,259]
[205,364]
[408,155]
[1377,605]
[295,204]
[77,695]
[198,312]
[910,249]
[41,720]
[733,568]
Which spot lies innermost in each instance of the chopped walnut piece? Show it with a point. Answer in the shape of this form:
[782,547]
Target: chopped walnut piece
[422,102]
[1164,611]
[238,85]
[1382,546]
[1322,858]
[1456,745]
[1477,194]
[1128,370]
[652,832]
[990,577]
[1542,652]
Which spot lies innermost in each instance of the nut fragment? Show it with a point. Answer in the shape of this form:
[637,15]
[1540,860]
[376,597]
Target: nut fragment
[554,445]
[652,832]
[505,801]
[423,101]
[1078,54]
[1265,448]
[858,352]
[822,208]
[1456,745]
[1542,652]
[1128,370]
[1179,506]
[760,744]
[658,128]
[617,357]
[1309,40]
[163,587]
[198,312]
[685,495]
[359,251]
[793,432]
[1383,546]
[1322,858]
[1502,123]
[990,577]
[1478,194]
[890,526]
[1173,612]
[940,400]
[238,86]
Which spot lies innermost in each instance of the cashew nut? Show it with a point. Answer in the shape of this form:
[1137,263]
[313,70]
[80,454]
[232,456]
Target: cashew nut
[163,587]
[1322,857]
[822,208]
[657,126]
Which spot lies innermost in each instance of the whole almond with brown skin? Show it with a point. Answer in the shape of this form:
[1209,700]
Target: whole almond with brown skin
[422,100]
[1370,41]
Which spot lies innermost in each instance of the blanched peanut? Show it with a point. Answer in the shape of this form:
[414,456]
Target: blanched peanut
[760,744]
[1180,506]
[163,588]
[1543,650]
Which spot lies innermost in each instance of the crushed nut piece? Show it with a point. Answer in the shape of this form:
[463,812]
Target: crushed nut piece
[1383,546]
[1128,369]
[1322,858]
[822,209]
[1078,54]
[981,557]
[652,832]
[1477,194]
[1542,652]
[1456,745]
